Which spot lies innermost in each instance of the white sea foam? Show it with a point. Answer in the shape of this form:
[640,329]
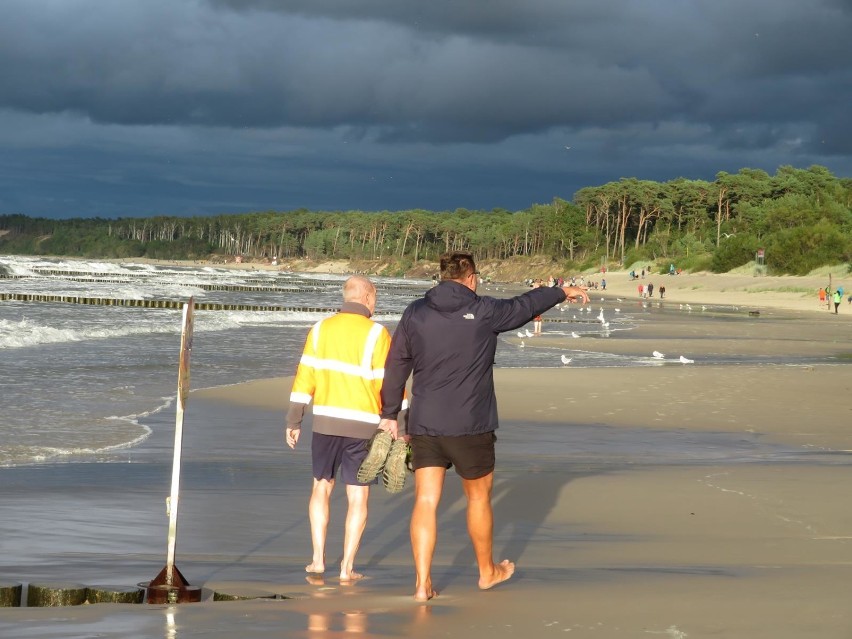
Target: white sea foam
[18,455]
[25,332]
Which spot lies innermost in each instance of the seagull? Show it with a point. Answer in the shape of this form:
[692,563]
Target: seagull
[684,360]
[527,332]
[521,334]
[565,360]
[658,355]
[618,310]
[601,316]
[573,334]
[618,299]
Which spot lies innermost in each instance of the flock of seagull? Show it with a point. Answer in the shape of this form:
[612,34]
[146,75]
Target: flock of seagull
[681,359]
[605,324]
[656,354]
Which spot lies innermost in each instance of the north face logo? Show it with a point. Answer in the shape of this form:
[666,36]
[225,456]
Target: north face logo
[469,316]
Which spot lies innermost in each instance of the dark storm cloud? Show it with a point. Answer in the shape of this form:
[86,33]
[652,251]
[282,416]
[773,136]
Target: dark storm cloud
[415,70]
[347,91]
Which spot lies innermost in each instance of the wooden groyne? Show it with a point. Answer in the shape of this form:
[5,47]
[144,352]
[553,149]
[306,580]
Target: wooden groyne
[55,594]
[255,286]
[204,287]
[176,304]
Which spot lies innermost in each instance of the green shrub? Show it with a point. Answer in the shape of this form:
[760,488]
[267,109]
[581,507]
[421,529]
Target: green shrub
[799,250]
[734,251]
[695,262]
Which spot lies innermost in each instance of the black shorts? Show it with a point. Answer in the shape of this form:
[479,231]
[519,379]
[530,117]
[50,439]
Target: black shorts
[472,455]
[330,452]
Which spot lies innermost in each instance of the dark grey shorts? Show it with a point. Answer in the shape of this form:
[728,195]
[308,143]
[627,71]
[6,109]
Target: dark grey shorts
[330,452]
[472,455]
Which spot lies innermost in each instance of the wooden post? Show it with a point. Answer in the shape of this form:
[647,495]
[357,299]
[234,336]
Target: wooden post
[170,586]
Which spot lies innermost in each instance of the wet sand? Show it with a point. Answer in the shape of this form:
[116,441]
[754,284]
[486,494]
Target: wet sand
[705,500]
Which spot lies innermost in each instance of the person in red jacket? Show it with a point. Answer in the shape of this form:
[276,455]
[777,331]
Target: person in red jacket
[341,370]
[448,339]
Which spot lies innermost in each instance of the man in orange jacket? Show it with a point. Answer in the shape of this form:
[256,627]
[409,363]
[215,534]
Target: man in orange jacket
[341,370]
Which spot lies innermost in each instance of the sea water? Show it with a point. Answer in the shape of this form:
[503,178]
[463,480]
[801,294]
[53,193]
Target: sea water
[78,380]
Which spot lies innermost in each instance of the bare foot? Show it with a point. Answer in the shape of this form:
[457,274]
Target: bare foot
[352,576]
[425,592]
[502,572]
[315,568]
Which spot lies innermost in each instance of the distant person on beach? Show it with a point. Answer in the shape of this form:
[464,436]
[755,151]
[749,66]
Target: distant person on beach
[650,289]
[838,297]
[448,339]
[662,292]
[341,371]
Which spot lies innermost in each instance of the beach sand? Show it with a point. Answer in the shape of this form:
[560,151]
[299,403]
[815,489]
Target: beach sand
[674,501]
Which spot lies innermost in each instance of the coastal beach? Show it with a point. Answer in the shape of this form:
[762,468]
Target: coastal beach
[657,498]
[743,287]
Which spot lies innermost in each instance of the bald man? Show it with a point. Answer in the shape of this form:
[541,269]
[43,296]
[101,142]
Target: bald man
[341,371]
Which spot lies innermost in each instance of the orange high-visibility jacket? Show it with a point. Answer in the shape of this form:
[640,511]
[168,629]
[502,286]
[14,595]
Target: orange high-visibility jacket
[341,370]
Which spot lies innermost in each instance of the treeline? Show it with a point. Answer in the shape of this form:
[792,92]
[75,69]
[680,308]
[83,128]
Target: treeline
[801,218]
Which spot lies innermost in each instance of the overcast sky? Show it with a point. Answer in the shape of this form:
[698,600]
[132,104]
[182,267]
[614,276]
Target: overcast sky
[191,107]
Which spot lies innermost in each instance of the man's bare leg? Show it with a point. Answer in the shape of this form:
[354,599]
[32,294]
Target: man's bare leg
[318,515]
[480,527]
[428,484]
[356,521]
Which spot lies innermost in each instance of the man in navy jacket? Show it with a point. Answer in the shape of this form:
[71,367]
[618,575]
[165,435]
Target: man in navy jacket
[447,340]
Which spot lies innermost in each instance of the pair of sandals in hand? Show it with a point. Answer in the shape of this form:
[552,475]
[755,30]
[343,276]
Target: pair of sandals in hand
[388,457]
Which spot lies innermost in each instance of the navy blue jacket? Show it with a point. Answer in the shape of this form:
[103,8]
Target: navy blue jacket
[448,340]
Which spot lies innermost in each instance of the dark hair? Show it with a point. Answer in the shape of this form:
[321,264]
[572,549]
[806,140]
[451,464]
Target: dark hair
[457,266]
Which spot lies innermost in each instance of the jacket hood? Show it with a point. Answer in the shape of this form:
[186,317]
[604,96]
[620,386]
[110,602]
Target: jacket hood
[449,296]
